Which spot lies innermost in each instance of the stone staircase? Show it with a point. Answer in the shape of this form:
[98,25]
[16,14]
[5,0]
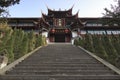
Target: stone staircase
[60,62]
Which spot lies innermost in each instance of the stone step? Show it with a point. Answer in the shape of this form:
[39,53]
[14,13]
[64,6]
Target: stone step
[56,62]
[61,65]
[63,77]
[59,68]
[61,72]
[61,59]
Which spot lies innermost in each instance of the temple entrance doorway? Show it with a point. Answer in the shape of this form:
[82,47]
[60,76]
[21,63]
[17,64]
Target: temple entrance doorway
[60,35]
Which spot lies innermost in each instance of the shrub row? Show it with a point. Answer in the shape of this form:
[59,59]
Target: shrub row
[104,46]
[16,43]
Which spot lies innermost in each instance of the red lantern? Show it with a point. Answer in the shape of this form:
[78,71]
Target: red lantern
[53,30]
[66,30]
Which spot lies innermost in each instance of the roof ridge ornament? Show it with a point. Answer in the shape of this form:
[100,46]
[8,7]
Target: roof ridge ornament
[73,6]
[77,13]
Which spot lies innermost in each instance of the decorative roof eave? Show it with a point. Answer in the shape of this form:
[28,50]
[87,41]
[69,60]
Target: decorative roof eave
[77,21]
[43,24]
[77,24]
[49,10]
[44,15]
[70,10]
[75,16]
[67,11]
[42,21]
[80,22]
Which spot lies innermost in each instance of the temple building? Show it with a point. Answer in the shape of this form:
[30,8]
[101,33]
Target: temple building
[62,26]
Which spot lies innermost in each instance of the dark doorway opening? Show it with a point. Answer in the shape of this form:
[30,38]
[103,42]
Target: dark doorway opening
[59,37]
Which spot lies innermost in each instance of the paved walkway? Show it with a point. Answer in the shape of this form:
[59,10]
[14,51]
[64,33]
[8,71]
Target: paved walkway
[60,62]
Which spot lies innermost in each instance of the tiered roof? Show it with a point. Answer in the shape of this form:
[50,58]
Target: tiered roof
[67,14]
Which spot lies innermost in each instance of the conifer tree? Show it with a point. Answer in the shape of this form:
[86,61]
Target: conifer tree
[115,42]
[9,48]
[6,32]
[88,42]
[98,47]
[113,15]
[18,34]
[6,3]
[38,40]
[24,45]
[109,48]
[32,40]
[81,41]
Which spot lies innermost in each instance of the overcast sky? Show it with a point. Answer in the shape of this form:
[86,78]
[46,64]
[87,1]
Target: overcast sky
[86,8]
